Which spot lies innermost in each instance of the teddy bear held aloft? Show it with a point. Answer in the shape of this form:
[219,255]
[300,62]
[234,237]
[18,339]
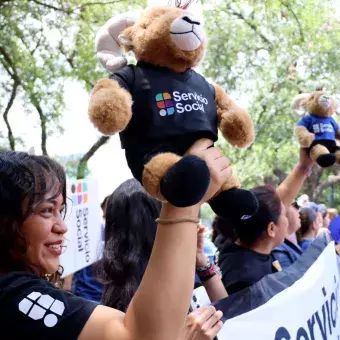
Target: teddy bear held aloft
[162,106]
[317,130]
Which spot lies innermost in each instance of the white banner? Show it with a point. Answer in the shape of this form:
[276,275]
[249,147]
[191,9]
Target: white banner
[84,235]
[308,310]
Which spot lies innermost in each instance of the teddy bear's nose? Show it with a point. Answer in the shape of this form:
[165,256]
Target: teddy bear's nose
[190,21]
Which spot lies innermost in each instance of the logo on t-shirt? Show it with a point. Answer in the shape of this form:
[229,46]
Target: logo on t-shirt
[79,193]
[184,102]
[165,104]
[37,306]
[322,128]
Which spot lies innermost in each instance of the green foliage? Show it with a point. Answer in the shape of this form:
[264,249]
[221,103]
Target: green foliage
[265,53]
[262,52]
[45,43]
[70,165]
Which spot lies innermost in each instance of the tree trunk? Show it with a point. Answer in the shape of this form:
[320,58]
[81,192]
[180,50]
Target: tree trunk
[312,182]
[11,138]
[42,118]
[94,148]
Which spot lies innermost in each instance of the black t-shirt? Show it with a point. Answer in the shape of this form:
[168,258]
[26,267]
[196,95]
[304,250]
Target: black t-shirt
[242,267]
[167,104]
[32,308]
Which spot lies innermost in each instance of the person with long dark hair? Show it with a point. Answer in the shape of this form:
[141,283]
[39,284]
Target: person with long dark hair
[130,230]
[32,229]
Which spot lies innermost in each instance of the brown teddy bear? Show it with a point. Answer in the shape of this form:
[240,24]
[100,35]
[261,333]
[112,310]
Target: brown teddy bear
[318,130]
[162,106]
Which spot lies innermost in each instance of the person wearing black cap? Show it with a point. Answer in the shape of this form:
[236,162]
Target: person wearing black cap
[249,259]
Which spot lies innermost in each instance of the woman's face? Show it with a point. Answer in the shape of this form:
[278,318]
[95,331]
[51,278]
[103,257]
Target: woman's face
[319,220]
[294,222]
[326,221]
[43,231]
[281,228]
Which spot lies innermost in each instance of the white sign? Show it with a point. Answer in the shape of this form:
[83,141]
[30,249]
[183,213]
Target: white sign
[84,235]
[308,310]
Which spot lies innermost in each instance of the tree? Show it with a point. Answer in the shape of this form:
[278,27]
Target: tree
[42,44]
[265,53]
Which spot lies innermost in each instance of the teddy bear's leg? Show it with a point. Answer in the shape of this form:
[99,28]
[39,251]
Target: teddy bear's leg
[234,202]
[180,181]
[337,155]
[322,156]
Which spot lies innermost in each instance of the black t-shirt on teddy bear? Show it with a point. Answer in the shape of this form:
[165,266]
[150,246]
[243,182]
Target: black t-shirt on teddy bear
[167,105]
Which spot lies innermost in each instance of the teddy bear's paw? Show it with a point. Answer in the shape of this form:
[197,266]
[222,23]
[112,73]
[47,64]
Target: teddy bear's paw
[326,160]
[238,130]
[186,183]
[235,203]
[307,140]
[110,110]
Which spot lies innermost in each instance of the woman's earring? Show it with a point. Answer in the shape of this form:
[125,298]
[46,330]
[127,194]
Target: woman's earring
[47,277]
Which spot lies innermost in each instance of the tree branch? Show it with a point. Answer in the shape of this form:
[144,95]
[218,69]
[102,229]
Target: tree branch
[94,148]
[71,10]
[34,101]
[82,6]
[36,104]
[11,138]
[52,7]
[302,36]
[9,62]
[252,26]
[321,187]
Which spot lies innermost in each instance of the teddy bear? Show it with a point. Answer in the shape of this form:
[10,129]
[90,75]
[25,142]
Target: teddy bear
[317,131]
[161,106]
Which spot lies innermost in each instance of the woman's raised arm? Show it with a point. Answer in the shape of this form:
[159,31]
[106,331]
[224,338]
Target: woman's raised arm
[160,306]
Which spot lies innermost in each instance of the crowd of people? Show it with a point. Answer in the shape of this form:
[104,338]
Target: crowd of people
[142,286]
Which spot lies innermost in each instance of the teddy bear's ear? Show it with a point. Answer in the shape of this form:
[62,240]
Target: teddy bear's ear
[125,38]
[337,103]
[108,46]
[298,104]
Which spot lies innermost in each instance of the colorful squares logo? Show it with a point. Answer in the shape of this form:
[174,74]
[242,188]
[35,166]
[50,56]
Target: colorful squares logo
[79,193]
[165,104]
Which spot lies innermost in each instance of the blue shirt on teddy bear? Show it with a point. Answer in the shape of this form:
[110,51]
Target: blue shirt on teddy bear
[322,127]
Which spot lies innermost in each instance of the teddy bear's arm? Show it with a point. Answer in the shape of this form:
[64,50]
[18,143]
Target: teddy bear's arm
[235,123]
[110,107]
[337,134]
[305,138]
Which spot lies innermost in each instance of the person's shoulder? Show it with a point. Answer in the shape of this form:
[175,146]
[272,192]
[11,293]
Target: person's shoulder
[125,72]
[40,308]
[282,248]
[306,119]
[17,279]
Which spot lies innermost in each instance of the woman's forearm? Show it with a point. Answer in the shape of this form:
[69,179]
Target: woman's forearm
[215,288]
[291,186]
[166,288]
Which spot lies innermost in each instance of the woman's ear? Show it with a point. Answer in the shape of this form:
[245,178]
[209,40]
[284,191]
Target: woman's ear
[271,229]
[314,225]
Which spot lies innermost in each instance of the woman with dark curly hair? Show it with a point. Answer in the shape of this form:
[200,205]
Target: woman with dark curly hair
[32,228]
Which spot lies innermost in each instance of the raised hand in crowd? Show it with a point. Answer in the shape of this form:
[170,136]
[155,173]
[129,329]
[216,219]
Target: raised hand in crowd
[213,283]
[203,323]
